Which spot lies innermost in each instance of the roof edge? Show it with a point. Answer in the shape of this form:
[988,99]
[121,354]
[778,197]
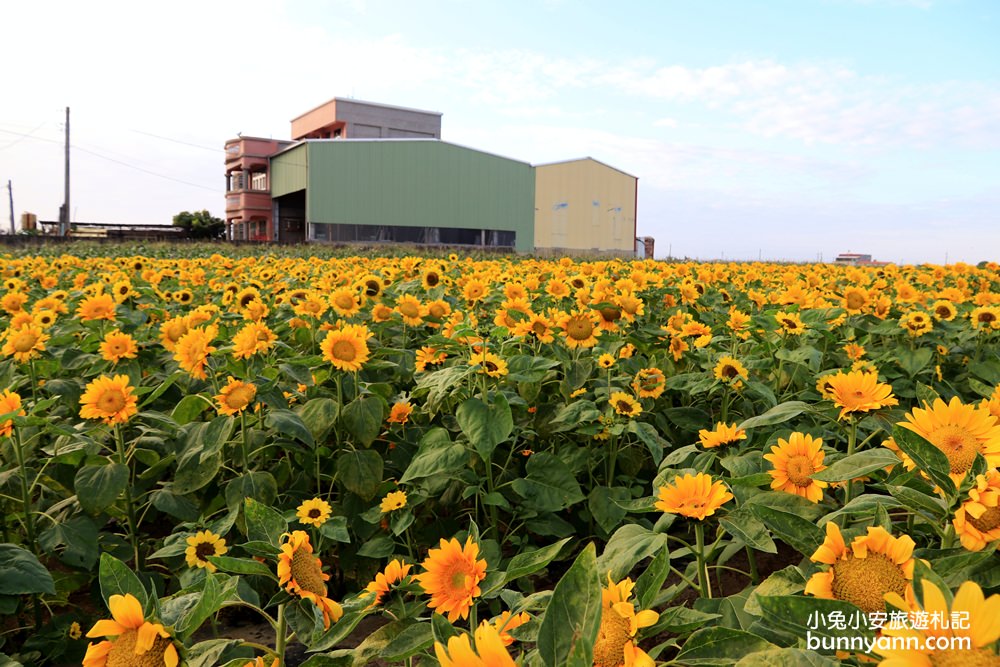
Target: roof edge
[584,159]
[372,104]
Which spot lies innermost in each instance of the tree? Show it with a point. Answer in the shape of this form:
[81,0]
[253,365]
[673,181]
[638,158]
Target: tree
[201,224]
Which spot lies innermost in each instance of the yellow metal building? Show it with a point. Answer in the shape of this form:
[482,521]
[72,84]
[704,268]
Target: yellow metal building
[584,206]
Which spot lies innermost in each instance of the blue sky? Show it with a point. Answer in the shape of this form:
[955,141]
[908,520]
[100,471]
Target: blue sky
[793,129]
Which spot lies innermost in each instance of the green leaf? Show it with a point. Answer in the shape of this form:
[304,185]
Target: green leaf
[573,415]
[361,471]
[263,523]
[928,458]
[339,630]
[378,547]
[290,424]
[335,528]
[776,415]
[603,505]
[689,419]
[629,545]
[179,507]
[80,537]
[412,640]
[720,646]
[800,534]
[786,657]
[193,474]
[857,465]
[22,574]
[443,630]
[241,566]
[189,408]
[208,603]
[794,616]
[98,485]
[319,415]
[526,563]
[649,436]
[486,426]
[682,619]
[918,501]
[743,525]
[914,361]
[118,579]
[573,616]
[208,653]
[436,456]
[550,485]
[783,582]
[259,485]
[650,582]
[363,418]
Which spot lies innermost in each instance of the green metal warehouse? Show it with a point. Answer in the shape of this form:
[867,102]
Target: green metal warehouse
[402,190]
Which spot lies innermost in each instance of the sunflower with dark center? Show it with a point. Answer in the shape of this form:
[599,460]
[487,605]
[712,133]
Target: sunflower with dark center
[314,512]
[624,404]
[731,371]
[863,573]
[490,364]
[202,545]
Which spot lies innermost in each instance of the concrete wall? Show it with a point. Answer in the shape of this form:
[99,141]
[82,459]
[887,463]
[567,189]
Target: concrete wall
[584,206]
[366,120]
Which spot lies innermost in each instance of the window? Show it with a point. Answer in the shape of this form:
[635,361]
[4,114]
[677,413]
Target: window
[258,180]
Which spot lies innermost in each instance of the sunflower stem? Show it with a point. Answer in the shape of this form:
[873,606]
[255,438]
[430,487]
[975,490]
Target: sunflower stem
[133,531]
[29,518]
[852,438]
[280,635]
[752,560]
[245,440]
[704,584]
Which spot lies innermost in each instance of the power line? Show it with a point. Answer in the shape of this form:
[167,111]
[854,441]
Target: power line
[177,141]
[22,138]
[111,159]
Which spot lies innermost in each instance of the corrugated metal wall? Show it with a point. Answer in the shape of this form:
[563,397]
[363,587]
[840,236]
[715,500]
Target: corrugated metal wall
[584,205]
[290,171]
[419,184]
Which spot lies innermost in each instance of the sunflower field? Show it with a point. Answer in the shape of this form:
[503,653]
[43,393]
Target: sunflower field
[458,460]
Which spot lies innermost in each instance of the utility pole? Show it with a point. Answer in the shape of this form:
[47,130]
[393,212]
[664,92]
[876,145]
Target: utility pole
[64,228]
[10,190]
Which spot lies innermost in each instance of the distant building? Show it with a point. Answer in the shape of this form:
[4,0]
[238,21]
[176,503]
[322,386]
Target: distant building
[364,172]
[856,259]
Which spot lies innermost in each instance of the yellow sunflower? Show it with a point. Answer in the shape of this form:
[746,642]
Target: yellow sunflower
[944,310]
[916,323]
[475,290]
[944,643]
[506,622]
[537,326]
[855,300]
[960,431]
[875,564]
[314,512]
[411,310]
[649,383]
[580,329]
[490,364]
[394,573]
[97,307]
[693,496]
[606,361]
[346,347]
[616,645]
[400,412]
[136,642]
[10,402]
[730,371]
[259,662]
[117,346]
[985,318]
[794,460]
[235,397]
[192,350]
[394,500]
[109,399]
[624,404]
[202,545]
[451,577]
[301,573]
[428,356]
[488,652]
[790,323]
[345,301]
[858,391]
[722,434]
[25,342]
[977,521]
[172,330]
[253,338]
